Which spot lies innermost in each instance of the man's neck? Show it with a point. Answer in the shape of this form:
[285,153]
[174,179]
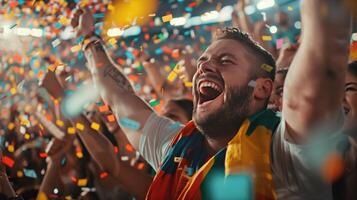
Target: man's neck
[214,144]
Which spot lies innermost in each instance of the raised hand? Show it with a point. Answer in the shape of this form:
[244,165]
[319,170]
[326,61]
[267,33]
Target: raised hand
[56,149]
[83,22]
[52,85]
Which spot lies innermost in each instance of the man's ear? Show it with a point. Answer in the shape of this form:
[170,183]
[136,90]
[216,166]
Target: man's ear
[263,88]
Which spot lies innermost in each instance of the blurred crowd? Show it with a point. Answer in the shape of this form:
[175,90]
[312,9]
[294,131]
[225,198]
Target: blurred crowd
[52,112]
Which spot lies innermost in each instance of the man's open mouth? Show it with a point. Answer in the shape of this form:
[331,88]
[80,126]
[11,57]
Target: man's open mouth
[209,90]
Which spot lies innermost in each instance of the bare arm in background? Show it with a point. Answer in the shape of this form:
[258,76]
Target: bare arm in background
[314,86]
[256,30]
[56,149]
[114,87]
[5,186]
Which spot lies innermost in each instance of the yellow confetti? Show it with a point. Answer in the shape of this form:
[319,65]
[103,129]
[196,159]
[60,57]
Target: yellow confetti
[42,196]
[95,126]
[80,126]
[27,136]
[267,67]
[51,68]
[59,123]
[19,174]
[82,182]
[188,84]
[112,41]
[167,18]
[13,90]
[79,154]
[11,126]
[71,130]
[172,76]
[11,148]
[75,48]
[267,38]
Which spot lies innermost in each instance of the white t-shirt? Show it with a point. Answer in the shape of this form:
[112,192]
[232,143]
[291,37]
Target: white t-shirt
[293,175]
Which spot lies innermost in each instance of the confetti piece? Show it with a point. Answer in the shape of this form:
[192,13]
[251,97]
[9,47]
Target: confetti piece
[95,126]
[82,182]
[129,123]
[27,136]
[333,167]
[30,173]
[51,68]
[167,18]
[43,155]
[75,48]
[71,130]
[19,173]
[154,102]
[267,67]
[99,15]
[267,38]
[124,158]
[141,166]
[188,84]
[63,161]
[175,125]
[8,161]
[11,148]
[12,26]
[252,83]
[129,148]
[104,108]
[13,91]
[80,126]
[172,76]
[59,123]
[56,42]
[42,196]
[177,159]
[111,118]
[279,43]
[103,175]
[11,126]
[79,154]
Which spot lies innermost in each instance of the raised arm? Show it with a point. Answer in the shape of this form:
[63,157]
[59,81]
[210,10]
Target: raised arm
[314,86]
[114,87]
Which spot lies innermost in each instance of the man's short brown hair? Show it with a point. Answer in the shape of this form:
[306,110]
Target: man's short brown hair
[254,47]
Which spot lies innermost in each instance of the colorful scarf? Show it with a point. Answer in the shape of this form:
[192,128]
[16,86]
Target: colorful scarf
[242,170]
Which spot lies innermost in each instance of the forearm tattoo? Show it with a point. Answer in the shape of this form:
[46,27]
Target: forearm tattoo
[120,79]
[111,71]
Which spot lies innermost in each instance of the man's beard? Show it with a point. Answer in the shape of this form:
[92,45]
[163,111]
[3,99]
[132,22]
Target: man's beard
[229,116]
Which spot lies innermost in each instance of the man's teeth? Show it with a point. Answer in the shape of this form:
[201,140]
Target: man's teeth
[212,85]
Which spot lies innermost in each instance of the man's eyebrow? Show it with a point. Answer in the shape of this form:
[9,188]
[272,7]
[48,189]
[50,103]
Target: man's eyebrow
[227,54]
[351,83]
[202,58]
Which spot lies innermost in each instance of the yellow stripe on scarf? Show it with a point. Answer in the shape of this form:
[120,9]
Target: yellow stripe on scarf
[251,154]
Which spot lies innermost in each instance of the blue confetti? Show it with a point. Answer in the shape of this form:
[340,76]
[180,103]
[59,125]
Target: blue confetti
[30,173]
[158,51]
[129,123]
[99,15]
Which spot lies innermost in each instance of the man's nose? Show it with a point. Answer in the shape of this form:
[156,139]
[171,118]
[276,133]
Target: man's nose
[206,66]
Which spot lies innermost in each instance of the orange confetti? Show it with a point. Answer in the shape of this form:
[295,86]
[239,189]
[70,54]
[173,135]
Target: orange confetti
[129,148]
[333,167]
[103,174]
[111,118]
[103,108]
[167,18]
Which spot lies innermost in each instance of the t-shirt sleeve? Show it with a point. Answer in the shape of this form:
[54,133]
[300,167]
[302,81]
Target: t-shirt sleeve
[158,132]
[297,167]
